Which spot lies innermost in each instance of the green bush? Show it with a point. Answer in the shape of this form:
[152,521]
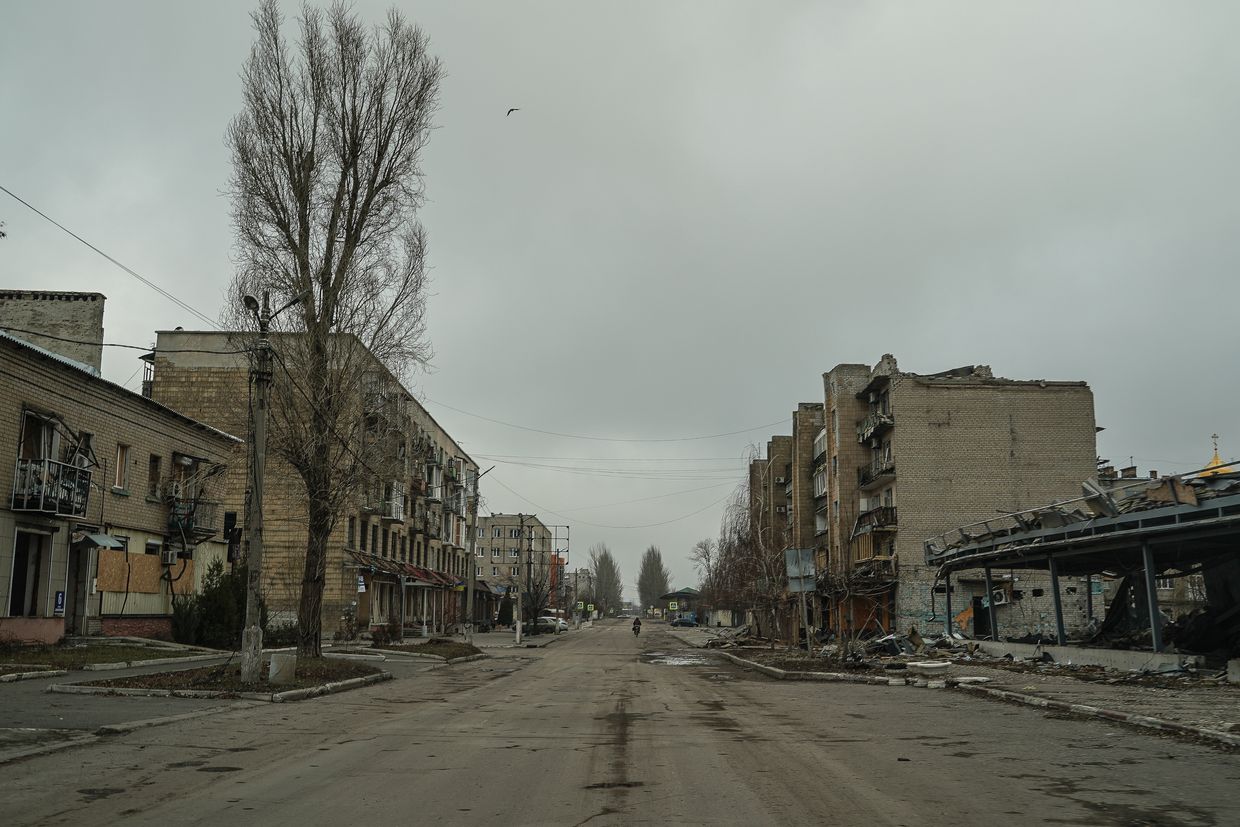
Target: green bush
[186,618]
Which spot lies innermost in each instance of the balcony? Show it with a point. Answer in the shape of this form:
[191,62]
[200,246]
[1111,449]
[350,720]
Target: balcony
[51,487]
[877,472]
[874,424]
[193,521]
[392,511]
[882,518]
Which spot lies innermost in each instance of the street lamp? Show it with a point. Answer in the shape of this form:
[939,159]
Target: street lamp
[252,635]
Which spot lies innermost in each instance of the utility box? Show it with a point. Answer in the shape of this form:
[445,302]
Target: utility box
[283,668]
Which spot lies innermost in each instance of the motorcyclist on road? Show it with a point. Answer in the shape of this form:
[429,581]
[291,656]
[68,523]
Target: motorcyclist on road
[637,625]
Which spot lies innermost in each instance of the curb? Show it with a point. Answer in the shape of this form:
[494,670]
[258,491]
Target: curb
[397,653]
[328,688]
[130,726]
[134,664]
[1144,721]
[353,656]
[32,676]
[268,697]
[825,677]
[465,659]
[44,749]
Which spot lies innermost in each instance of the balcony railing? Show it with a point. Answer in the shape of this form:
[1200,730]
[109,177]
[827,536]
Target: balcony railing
[195,521]
[875,423]
[883,517]
[51,487]
[876,471]
[392,510]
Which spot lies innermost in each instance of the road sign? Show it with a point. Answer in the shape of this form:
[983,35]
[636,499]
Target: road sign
[361,584]
[581,604]
[590,608]
[672,605]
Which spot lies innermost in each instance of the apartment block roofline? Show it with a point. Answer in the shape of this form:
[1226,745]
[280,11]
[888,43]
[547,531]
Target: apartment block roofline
[459,451]
[47,355]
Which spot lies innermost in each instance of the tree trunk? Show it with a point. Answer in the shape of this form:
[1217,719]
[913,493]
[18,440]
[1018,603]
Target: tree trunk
[310,607]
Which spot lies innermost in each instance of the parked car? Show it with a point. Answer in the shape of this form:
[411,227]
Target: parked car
[542,625]
[683,621]
[560,624]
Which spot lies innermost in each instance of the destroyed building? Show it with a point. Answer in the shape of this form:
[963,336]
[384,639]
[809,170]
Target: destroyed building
[1144,534]
[907,455]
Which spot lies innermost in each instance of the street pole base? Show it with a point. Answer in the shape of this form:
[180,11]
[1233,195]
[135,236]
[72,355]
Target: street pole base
[251,654]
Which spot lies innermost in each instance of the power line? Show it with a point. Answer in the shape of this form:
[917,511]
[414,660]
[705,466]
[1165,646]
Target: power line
[128,270]
[648,499]
[604,438]
[613,459]
[600,525]
[116,344]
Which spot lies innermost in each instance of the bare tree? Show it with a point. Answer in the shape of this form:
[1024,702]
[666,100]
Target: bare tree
[608,591]
[653,578]
[325,189]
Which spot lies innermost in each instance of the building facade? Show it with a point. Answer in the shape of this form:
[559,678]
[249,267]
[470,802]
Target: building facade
[113,506]
[519,553]
[910,456]
[397,551]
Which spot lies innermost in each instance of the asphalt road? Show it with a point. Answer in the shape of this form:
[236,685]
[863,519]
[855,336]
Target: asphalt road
[603,729]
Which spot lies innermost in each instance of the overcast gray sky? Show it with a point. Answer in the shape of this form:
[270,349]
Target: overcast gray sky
[700,208]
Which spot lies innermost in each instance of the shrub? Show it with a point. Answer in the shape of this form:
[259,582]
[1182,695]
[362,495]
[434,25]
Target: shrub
[186,618]
[222,606]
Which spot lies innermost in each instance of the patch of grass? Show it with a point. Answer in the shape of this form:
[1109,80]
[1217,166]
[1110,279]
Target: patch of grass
[442,647]
[75,657]
[227,678]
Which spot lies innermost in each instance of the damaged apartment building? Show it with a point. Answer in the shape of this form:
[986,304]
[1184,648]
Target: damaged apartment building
[397,551]
[112,506]
[899,457]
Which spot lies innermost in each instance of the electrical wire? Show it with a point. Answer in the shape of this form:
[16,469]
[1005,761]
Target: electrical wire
[184,305]
[601,525]
[605,438]
[116,344]
[648,499]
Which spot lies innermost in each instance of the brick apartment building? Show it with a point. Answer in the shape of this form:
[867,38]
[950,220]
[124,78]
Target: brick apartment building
[909,456]
[113,503]
[519,551]
[398,550]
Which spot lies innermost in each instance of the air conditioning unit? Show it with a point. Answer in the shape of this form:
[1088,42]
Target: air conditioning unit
[781,509]
[998,597]
[168,556]
[174,489]
[780,481]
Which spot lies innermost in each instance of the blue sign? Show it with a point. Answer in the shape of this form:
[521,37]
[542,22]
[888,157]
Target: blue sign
[60,604]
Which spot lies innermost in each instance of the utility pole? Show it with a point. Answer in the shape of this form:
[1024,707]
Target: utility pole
[252,635]
[518,619]
[473,557]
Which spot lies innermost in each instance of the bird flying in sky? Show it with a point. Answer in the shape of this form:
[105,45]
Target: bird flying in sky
[510,111]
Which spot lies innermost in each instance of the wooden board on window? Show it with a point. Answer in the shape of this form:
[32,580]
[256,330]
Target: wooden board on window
[144,573]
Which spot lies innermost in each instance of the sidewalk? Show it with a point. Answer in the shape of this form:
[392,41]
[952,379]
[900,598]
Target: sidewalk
[1213,708]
